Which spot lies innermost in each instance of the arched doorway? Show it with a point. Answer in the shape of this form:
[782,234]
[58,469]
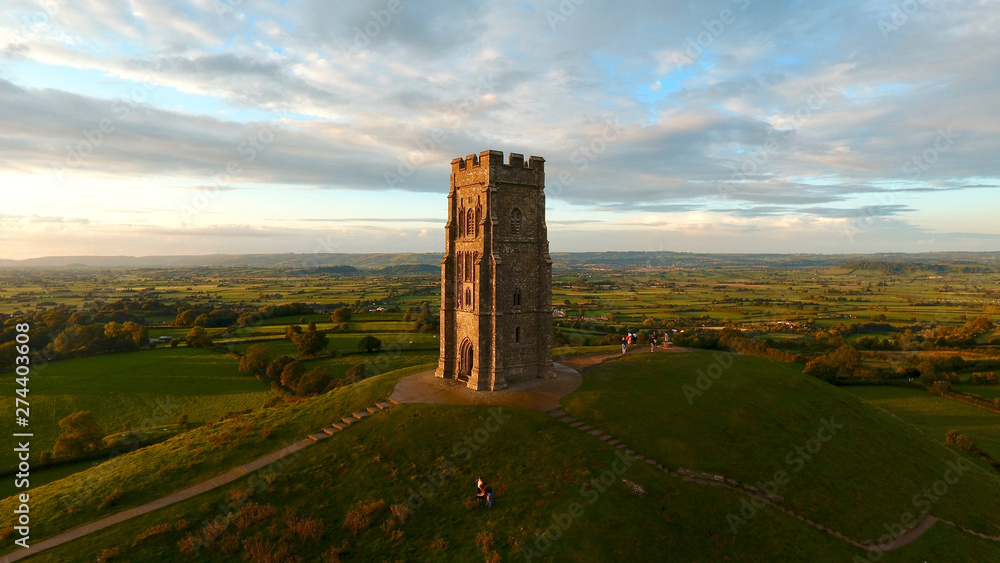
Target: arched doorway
[466,357]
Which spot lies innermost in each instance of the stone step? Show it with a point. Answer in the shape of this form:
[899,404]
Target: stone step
[383,405]
[360,414]
[372,410]
[349,420]
[595,432]
[558,412]
[614,442]
[392,401]
[338,425]
[606,437]
[585,428]
[331,430]
[567,419]
[318,436]
[650,461]
[576,424]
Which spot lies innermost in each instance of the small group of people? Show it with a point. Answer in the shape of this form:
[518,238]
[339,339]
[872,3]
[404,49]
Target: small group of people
[631,338]
[628,340]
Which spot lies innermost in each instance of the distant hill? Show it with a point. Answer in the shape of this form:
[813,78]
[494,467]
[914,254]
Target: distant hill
[893,267]
[429,262]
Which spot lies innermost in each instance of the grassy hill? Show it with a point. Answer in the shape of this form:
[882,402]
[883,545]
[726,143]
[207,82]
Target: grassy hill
[743,425]
[760,417]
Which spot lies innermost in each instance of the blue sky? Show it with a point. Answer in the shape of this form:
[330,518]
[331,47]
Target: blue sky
[204,126]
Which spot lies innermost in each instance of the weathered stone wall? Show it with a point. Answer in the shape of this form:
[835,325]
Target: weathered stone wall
[496,276]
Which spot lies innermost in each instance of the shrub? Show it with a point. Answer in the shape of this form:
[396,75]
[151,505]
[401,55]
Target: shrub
[940,387]
[341,315]
[312,382]
[229,543]
[189,544]
[984,378]
[107,554]
[111,498]
[257,358]
[306,529]
[198,338]
[356,373]
[361,517]
[485,541]
[276,366]
[154,531]
[369,344]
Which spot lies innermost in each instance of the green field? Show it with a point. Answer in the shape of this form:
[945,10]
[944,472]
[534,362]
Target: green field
[936,415]
[143,389]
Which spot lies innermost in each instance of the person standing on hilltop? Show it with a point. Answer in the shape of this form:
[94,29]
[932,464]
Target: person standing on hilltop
[624,343]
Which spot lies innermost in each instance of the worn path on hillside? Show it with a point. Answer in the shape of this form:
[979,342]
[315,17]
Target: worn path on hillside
[204,486]
[537,395]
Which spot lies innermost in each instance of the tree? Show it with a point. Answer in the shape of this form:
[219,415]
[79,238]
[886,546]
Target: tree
[356,373]
[845,360]
[314,381]
[341,315]
[198,338]
[81,433]
[277,365]
[310,341]
[257,357]
[369,344]
[291,374]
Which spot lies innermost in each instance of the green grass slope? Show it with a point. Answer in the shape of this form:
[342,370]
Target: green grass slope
[539,467]
[189,458]
[760,417]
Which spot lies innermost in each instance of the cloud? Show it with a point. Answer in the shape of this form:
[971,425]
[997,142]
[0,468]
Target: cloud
[786,111]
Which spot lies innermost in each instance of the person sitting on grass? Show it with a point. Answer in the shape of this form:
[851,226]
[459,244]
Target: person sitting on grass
[484,493]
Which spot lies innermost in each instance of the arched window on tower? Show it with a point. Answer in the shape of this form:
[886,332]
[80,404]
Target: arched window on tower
[468,300]
[461,263]
[479,218]
[516,220]
[470,228]
[517,334]
[517,297]
[460,223]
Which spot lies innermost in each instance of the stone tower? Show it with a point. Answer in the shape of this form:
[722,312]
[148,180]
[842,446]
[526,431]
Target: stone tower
[496,275]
